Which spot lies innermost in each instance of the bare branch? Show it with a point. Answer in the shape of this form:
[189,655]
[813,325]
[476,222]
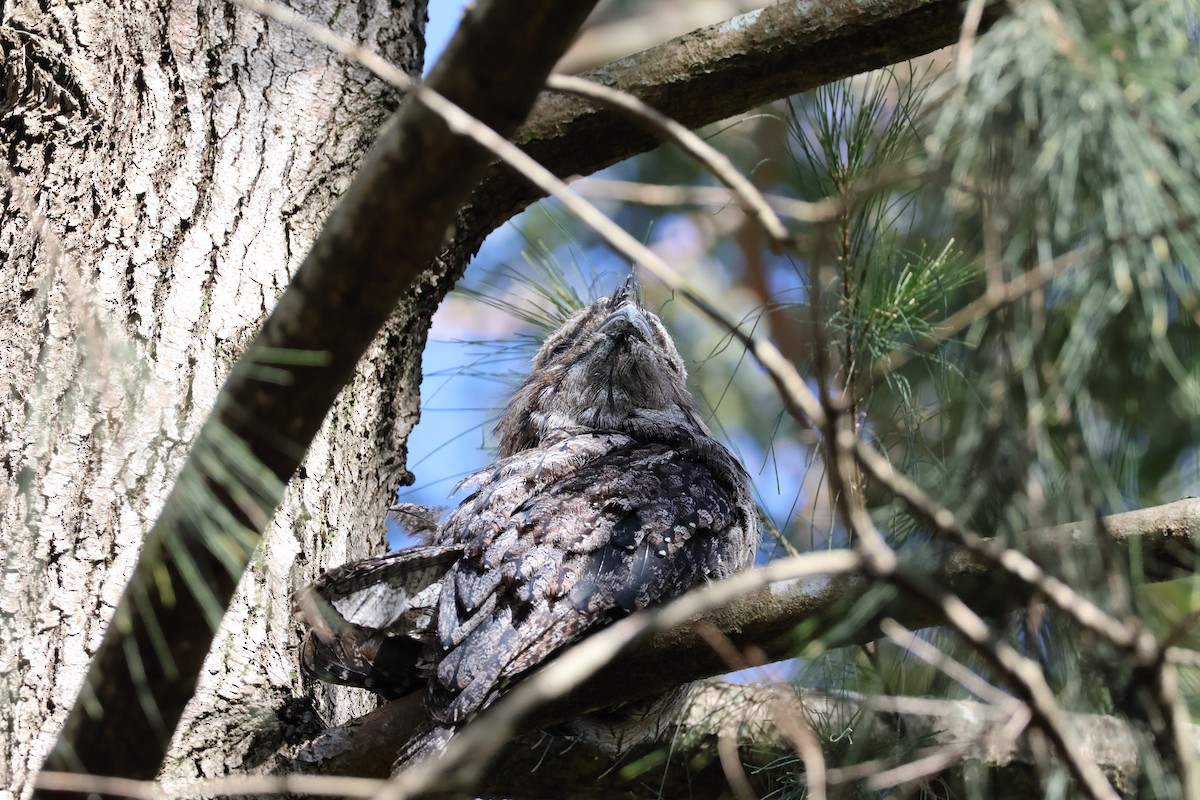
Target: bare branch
[771,620]
[657,194]
[711,74]
[712,159]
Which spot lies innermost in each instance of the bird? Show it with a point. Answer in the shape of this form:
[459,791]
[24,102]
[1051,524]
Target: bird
[608,495]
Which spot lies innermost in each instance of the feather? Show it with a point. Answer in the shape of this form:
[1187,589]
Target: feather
[610,495]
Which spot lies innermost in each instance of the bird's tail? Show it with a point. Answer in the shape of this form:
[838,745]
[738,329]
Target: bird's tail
[427,741]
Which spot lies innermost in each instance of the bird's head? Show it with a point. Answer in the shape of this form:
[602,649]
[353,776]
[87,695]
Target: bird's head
[611,367]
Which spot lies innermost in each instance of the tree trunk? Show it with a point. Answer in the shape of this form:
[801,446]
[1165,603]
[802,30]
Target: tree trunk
[168,165]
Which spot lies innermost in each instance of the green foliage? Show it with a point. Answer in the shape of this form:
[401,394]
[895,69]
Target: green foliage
[547,289]
[887,290]
[1078,129]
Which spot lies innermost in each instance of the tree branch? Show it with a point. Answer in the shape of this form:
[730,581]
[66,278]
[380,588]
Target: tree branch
[779,621]
[968,733]
[708,75]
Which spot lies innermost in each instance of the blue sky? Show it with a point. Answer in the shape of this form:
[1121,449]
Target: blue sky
[466,381]
[443,20]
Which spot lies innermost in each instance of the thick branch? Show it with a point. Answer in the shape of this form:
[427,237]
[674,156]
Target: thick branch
[953,733]
[709,75]
[388,227]
[779,622]
[974,730]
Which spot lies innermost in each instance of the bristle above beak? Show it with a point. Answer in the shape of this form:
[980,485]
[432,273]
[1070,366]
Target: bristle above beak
[628,318]
[629,292]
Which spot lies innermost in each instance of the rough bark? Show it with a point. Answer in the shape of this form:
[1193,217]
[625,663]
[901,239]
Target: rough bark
[170,163]
[368,261]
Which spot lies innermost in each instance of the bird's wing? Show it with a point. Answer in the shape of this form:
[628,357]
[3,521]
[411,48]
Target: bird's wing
[638,525]
[368,623]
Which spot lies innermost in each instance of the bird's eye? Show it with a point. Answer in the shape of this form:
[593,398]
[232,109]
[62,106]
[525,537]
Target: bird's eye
[557,350]
[567,337]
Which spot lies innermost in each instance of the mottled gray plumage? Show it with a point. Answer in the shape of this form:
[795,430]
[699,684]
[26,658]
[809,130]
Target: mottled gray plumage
[609,495]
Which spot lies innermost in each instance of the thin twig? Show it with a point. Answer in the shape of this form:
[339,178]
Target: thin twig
[1183,657]
[657,194]
[934,763]
[966,40]
[751,200]
[731,765]
[954,670]
[317,785]
[947,754]
[806,745]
